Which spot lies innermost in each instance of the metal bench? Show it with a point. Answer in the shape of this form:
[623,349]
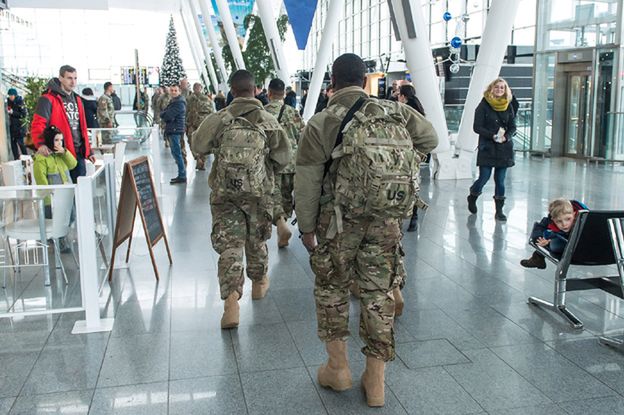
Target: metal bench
[596,239]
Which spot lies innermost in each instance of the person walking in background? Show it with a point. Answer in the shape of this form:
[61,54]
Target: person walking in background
[291,97]
[155,108]
[60,106]
[106,112]
[495,122]
[250,148]
[219,101]
[407,95]
[291,122]
[163,101]
[89,102]
[174,117]
[17,112]
[142,103]
[198,107]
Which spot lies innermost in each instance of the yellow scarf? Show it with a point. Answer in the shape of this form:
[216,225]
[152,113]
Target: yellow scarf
[498,104]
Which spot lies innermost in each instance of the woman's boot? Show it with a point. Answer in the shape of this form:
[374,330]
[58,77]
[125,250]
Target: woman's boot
[499,201]
[472,202]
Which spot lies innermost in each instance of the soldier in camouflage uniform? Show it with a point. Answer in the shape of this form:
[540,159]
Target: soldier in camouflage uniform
[250,147]
[155,107]
[292,123]
[106,113]
[198,107]
[351,246]
[163,102]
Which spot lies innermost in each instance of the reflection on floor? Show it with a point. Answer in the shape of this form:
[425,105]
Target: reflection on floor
[467,343]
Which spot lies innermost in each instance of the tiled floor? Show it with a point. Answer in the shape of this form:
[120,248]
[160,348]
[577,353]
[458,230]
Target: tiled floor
[467,343]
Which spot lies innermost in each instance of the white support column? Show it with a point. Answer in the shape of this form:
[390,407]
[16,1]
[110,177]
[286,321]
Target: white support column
[415,40]
[214,42]
[330,31]
[89,272]
[189,35]
[273,40]
[230,33]
[204,46]
[496,36]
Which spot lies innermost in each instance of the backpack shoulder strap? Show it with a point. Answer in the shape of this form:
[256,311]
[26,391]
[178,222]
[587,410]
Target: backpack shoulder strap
[358,104]
[281,113]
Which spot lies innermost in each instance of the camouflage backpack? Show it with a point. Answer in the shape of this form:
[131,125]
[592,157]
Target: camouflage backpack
[241,170]
[377,174]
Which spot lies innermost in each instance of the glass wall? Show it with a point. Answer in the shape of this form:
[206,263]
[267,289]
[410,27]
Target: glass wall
[579,40]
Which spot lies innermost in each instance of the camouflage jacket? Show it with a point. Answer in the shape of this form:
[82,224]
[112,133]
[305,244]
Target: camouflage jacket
[163,102]
[198,107]
[317,143]
[292,123]
[207,138]
[105,111]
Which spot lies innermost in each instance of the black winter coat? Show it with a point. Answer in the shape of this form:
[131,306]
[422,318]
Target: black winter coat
[174,116]
[487,121]
[15,119]
[90,107]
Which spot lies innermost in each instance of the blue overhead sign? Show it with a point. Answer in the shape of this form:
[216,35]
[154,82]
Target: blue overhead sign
[238,9]
[300,16]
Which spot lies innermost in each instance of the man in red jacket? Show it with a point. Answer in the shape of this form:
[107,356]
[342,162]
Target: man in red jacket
[61,107]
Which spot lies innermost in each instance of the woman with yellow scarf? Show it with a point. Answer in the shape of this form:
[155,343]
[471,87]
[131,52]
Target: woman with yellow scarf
[495,123]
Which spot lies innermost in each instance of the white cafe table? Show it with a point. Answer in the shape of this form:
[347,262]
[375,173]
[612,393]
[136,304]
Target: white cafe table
[38,196]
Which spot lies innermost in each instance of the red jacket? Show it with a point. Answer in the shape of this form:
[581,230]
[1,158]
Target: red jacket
[50,111]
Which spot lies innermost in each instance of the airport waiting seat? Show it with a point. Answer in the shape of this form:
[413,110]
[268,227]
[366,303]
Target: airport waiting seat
[596,240]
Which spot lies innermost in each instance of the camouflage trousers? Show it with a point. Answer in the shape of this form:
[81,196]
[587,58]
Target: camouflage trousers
[283,201]
[200,159]
[366,251]
[238,228]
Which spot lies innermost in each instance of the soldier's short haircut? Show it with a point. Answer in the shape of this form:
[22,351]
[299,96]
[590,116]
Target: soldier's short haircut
[277,86]
[349,70]
[107,84]
[66,68]
[243,81]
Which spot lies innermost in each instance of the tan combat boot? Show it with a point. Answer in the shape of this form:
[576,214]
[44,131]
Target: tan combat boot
[398,302]
[373,381]
[283,233]
[231,312]
[335,374]
[259,288]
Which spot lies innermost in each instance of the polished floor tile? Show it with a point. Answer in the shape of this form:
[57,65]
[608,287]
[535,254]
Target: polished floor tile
[218,395]
[76,402]
[140,399]
[284,391]
[5,405]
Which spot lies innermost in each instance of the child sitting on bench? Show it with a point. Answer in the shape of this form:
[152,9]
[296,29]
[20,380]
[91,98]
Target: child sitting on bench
[552,232]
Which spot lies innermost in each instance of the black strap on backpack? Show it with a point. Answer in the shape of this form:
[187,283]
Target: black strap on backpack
[358,104]
[279,117]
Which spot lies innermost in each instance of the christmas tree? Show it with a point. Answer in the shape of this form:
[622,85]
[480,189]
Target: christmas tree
[171,71]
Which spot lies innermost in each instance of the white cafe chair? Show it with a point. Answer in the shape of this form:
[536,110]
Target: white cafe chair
[56,228]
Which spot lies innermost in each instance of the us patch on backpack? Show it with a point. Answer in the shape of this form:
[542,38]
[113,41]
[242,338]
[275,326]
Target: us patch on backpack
[377,174]
[241,170]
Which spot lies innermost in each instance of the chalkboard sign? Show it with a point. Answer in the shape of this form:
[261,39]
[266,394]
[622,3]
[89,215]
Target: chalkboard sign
[137,191]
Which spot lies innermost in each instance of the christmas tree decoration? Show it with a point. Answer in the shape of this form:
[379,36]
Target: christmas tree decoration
[171,71]
[447,16]
[456,42]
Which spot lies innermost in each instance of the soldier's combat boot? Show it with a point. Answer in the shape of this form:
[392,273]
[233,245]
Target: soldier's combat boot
[335,374]
[472,202]
[398,302]
[259,288]
[499,203]
[283,233]
[373,381]
[231,311]
[536,261]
